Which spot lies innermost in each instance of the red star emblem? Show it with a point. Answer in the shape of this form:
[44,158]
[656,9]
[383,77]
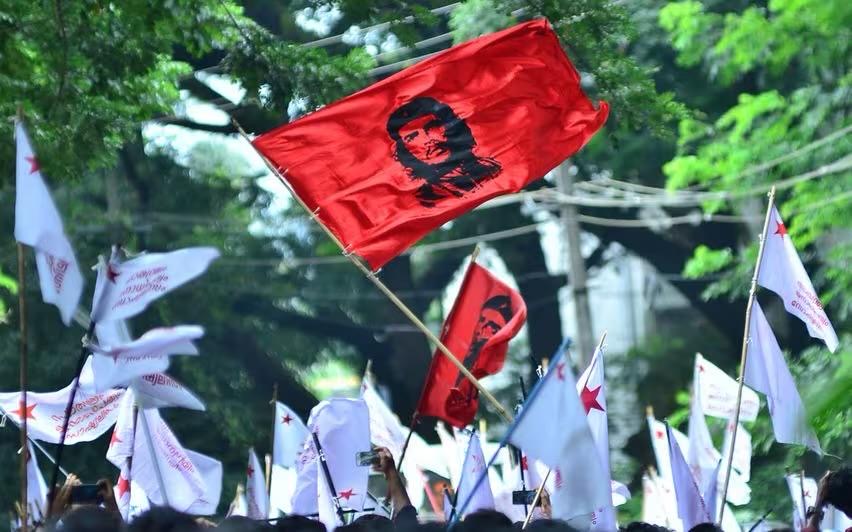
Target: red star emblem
[116,354]
[590,399]
[660,434]
[20,410]
[114,438]
[700,368]
[560,371]
[780,228]
[112,273]
[123,486]
[524,464]
[250,471]
[347,494]
[286,419]
[34,166]
[807,493]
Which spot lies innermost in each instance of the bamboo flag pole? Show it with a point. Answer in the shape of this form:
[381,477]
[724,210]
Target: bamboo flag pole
[22,319]
[274,403]
[744,352]
[24,362]
[382,287]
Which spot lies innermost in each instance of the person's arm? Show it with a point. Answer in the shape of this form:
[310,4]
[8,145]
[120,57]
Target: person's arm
[108,495]
[815,513]
[396,489]
[62,498]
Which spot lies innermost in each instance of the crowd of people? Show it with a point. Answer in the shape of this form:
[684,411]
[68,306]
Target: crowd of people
[835,489]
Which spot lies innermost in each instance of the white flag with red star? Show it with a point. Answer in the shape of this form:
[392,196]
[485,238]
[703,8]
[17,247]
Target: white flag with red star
[653,502]
[592,389]
[289,438]
[38,224]
[470,488]
[718,392]
[121,441]
[701,455]
[552,428]
[118,363]
[122,490]
[801,487]
[256,498]
[782,272]
[124,289]
[343,429]
[742,449]
[767,372]
[36,488]
[304,498]
[92,413]
[691,507]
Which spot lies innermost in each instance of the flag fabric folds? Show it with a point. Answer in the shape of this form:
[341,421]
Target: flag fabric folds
[39,225]
[782,272]
[343,429]
[124,289]
[552,428]
[120,363]
[289,437]
[159,390]
[478,494]
[36,488]
[390,163]
[256,497]
[385,428]
[691,508]
[701,455]
[485,316]
[592,389]
[718,392]
[767,372]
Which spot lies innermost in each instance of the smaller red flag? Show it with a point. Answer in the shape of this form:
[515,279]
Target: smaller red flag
[486,315]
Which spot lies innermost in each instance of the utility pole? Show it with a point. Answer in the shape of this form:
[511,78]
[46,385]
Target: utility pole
[576,265]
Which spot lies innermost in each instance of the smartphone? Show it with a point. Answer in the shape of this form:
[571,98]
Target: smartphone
[523,497]
[366,458]
[86,494]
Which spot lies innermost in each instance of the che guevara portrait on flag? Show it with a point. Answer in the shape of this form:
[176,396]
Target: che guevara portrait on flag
[383,167]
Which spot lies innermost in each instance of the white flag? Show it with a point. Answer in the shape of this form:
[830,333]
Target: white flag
[552,428]
[38,224]
[121,442]
[767,372]
[159,390]
[182,480]
[289,438]
[281,490]
[121,491]
[803,491]
[452,454]
[477,493]
[326,507]
[343,429]
[258,502]
[592,389]
[385,428]
[653,503]
[702,456]
[718,392]
[238,506]
[304,499]
[690,504]
[782,272]
[211,475]
[91,415]
[742,449]
[115,364]
[36,488]
[125,289]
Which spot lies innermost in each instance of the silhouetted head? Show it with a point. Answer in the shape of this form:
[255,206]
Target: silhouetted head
[90,519]
[164,519]
[838,490]
[639,526]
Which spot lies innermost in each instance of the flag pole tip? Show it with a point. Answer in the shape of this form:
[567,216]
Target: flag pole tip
[475,253]
[649,411]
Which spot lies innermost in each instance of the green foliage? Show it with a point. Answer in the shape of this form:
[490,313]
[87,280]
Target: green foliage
[477,17]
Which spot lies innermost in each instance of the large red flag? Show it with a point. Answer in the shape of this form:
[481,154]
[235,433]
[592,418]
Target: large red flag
[388,164]
[486,315]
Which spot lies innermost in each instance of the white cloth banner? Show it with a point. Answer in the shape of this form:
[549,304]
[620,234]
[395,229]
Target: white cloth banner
[592,389]
[281,490]
[124,289]
[343,429]
[289,438]
[38,224]
[782,272]
[767,372]
[159,390]
[256,497]
[718,392]
[115,364]
[552,428]
[479,496]
[36,488]
[385,428]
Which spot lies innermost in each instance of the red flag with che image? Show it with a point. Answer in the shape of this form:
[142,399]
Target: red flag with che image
[390,163]
[485,316]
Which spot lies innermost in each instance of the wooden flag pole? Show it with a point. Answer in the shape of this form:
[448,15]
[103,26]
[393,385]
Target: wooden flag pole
[22,321]
[744,353]
[369,274]
[24,362]
[273,402]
